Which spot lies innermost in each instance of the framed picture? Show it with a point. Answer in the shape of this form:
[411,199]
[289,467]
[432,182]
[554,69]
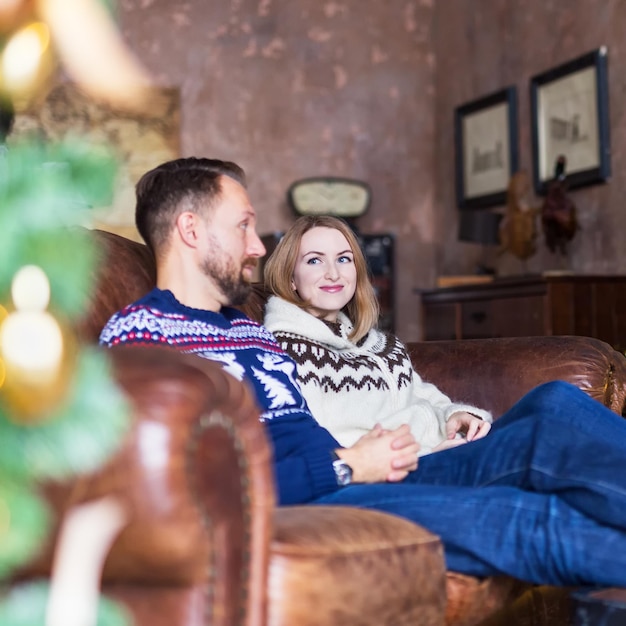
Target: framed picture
[569,109]
[486,149]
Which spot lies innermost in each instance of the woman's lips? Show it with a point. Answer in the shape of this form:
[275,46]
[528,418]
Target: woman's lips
[332,288]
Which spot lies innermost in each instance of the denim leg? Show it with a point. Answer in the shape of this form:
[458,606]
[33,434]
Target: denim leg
[533,537]
[555,440]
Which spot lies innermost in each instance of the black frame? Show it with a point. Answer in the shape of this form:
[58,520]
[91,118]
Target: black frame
[567,129]
[507,96]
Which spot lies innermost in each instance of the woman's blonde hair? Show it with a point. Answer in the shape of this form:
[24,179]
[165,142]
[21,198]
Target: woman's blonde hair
[362,310]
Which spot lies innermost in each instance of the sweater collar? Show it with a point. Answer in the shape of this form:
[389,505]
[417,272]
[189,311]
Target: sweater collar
[164,300]
[282,316]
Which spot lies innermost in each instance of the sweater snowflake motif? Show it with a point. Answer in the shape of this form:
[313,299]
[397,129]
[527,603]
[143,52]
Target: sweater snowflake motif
[249,352]
[350,387]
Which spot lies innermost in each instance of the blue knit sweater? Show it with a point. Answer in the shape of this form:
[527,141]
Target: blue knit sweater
[247,351]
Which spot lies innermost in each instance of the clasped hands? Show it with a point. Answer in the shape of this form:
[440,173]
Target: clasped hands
[389,455]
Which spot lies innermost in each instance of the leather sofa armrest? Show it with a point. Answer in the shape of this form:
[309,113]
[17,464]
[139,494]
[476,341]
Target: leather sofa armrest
[494,373]
[194,476]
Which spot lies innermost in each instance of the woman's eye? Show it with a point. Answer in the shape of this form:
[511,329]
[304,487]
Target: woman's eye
[345,259]
[313,261]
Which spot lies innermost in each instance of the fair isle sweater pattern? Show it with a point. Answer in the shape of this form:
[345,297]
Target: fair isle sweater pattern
[228,346]
[248,352]
[350,387]
[335,372]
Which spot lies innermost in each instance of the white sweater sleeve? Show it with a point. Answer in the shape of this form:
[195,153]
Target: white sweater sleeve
[432,409]
[442,403]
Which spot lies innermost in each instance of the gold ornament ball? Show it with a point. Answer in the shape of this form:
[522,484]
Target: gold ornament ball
[38,359]
[27,61]
[30,289]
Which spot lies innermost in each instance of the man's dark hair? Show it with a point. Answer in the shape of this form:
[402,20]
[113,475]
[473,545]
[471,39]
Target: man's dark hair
[7,116]
[176,186]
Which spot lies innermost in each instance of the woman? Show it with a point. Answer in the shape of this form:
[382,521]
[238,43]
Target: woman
[543,491]
[352,375]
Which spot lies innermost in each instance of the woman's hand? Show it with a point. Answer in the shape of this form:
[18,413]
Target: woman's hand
[382,455]
[469,425]
[446,444]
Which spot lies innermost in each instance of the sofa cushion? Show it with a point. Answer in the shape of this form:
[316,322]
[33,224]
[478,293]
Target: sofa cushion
[336,565]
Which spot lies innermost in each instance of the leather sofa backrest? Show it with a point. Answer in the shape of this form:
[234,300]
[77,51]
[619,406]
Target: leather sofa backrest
[125,272]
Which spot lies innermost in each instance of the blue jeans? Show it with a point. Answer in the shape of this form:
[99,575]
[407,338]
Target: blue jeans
[541,498]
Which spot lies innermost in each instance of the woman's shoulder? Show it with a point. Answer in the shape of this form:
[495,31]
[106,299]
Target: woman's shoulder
[283,319]
[281,315]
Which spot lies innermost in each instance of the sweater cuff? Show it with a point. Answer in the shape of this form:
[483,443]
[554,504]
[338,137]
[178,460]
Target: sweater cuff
[323,476]
[479,413]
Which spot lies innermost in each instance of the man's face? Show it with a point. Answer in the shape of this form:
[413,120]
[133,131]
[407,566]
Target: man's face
[232,246]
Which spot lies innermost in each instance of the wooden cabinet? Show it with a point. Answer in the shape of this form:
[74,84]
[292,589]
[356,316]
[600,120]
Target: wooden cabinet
[594,306]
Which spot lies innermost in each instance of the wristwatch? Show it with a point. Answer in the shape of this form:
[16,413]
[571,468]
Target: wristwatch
[343,472]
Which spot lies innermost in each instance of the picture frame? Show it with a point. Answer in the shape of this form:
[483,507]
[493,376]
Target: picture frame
[570,117]
[486,146]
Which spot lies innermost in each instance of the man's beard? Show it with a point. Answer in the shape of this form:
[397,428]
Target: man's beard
[232,283]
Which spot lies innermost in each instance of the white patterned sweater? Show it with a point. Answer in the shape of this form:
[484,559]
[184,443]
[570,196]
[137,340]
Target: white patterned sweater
[351,387]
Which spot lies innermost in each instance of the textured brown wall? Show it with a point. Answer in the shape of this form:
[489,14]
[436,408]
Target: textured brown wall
[484,46]
[293,88]
[367,89]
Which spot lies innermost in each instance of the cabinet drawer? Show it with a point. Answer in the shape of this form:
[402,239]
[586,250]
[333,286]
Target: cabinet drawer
[477,319]
[503,317]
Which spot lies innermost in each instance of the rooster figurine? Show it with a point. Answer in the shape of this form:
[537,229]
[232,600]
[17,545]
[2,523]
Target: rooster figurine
[517,228]
[558,213]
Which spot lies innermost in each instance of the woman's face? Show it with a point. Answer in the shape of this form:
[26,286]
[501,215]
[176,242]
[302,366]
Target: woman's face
[325,275]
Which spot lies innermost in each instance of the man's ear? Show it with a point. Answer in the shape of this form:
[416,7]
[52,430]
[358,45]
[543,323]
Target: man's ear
[187,226]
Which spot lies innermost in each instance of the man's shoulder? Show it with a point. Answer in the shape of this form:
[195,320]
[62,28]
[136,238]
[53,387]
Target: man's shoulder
[130,323]
[157,319]
[138,311]
[243,328]
[149,314]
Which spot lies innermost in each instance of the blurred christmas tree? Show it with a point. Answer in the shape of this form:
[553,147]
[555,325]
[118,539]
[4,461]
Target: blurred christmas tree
[60,412]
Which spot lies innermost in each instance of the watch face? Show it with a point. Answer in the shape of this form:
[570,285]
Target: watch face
[343,472]
[340,197]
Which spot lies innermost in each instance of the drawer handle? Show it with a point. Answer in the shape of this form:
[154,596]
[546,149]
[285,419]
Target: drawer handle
[479,317]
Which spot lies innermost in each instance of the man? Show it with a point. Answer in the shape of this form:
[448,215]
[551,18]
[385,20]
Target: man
[500,505]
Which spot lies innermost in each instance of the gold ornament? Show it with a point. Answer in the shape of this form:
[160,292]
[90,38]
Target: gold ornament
[27,63]
[37,354]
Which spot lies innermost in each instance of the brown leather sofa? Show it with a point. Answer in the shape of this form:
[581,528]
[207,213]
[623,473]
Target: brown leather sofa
[206,544]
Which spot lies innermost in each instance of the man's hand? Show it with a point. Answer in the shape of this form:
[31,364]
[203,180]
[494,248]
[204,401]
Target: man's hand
[382,455]
[471,426]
